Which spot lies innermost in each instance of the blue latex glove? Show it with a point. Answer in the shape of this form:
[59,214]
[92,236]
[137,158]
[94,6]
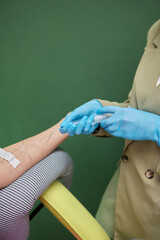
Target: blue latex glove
[85,113]
[131,123]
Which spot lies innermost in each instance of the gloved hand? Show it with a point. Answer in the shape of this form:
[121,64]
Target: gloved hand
[131,123]
[85,113]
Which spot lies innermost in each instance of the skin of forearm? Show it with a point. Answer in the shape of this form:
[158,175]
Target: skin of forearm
[29,152]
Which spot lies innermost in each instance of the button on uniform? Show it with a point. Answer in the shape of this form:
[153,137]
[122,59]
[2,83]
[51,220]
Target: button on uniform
[125,158]
[149,174]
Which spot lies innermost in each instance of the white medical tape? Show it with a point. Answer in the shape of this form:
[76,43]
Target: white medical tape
[9,157]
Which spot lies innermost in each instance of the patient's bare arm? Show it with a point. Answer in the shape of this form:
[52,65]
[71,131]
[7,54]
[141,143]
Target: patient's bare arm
[29,152]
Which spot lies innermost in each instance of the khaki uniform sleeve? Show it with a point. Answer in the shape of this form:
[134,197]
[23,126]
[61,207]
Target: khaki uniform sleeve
[152,36]
[101,132]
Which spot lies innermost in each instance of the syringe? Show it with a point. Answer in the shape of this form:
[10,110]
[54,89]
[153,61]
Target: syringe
[97,118]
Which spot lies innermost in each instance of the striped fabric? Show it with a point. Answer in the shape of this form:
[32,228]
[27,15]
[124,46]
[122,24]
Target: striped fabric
[17,199]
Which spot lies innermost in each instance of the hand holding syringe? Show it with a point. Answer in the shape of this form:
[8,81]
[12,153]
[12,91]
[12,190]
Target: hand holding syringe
[97,118]
[86,124]
[81,119]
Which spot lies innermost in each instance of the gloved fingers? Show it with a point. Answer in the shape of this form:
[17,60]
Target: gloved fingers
[62,131]
[90,127]
[108,109]
[65,128]
[99,105]
[81,125]
[109,121]
[72,129]
[84,110]
[89,123]
[69,118]
[112,128]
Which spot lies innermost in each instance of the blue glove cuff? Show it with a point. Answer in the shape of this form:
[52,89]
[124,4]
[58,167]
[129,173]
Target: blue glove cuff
[157,132]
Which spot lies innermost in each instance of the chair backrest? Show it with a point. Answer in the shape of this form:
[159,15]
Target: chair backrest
[71,213]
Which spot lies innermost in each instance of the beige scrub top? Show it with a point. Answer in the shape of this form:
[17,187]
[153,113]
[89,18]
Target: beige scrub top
[130,207]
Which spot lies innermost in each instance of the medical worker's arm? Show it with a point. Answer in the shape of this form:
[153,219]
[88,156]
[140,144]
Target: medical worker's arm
[36,148]
[131,123]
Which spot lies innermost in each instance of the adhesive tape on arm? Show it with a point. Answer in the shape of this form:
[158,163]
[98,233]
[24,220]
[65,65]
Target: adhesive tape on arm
[9,157]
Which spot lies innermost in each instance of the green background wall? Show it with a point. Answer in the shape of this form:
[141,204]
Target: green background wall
[56,55]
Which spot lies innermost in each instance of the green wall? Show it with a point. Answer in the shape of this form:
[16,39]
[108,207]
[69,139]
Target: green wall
[56,55]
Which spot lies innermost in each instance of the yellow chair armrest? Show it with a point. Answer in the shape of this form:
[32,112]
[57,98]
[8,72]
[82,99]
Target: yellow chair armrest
[71,213]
